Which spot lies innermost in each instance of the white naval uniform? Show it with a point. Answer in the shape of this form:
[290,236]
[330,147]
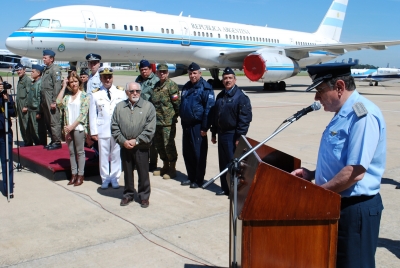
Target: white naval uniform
[100,113]
[93,82]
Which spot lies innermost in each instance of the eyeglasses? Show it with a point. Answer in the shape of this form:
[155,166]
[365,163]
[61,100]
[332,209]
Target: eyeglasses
[133,91]
[321,89]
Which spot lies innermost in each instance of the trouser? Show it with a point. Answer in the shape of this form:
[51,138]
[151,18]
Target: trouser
[153,154]
[164,139]
[358,232]
[3,160]
[23,124]
[109,159]
[34,127]
[194,151]
[52,119]
[226,149]
[76,151]
[138,158]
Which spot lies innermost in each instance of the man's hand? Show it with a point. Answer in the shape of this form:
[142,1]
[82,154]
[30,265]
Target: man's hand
[203,133]
[53,106]
[38,116]
[95,137]
[214,140]
[304,173]
[129,144]
[25,110]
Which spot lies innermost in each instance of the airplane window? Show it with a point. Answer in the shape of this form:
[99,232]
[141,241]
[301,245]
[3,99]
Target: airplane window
[130,27]
[162,30]
[219,36]
[226,36]
[125,28]
[233,37]
[167,30]
[172,31]
[45,23]
[194,33]
[141,28]
[106,25]
[247,38]
[210,34]
[237,37]
[136,28]
[113,26]
[202,33]
[207,34]
[33,24]
[55,24]
[230,37]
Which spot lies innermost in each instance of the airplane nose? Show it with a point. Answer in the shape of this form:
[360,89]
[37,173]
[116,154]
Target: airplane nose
[17,44]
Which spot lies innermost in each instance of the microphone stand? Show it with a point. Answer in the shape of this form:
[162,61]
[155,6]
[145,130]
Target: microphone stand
[234,167]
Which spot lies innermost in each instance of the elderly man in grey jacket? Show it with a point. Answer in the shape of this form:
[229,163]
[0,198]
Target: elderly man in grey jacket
[133,125]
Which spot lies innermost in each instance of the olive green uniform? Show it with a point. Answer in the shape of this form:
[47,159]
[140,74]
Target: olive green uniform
[23,87]
[147,86]
[166,101]
[51,86]
[36,127]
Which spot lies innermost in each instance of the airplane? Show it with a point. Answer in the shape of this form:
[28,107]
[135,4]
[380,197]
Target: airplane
[374,76]
[266,55]
[9,59]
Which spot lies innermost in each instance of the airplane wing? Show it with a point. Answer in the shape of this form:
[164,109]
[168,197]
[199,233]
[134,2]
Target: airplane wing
[300,52]
[12,64]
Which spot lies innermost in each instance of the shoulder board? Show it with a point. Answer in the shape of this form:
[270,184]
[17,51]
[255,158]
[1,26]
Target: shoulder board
[120,88]
[244,92]
[359,109]
[95,90]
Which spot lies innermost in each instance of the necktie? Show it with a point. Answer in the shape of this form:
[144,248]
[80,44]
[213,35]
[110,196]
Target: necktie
[108,95]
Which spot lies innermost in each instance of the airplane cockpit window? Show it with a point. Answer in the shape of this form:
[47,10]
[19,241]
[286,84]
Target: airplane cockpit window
[32,24]
[141,28]
[45,23]
[113,26]
[172,31]
[55,24]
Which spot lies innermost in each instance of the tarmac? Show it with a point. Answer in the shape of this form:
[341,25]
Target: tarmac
[50,224]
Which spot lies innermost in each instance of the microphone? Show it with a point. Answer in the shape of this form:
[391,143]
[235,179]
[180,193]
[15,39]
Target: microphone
[313,107]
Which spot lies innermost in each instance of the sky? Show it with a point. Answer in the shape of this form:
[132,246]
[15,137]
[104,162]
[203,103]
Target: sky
[366,20]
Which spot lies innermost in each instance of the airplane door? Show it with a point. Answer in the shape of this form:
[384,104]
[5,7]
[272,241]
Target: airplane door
[185,33]
[90,25]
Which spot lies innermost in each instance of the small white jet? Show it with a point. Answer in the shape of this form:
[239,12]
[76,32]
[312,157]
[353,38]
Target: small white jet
[374,76]
[267,55]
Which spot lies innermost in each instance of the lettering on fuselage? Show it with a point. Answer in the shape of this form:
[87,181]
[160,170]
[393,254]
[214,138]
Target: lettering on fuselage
[218,29]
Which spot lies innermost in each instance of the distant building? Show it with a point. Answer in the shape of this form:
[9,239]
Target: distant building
[350,60]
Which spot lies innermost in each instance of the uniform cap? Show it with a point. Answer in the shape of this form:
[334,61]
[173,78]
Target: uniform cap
[323,72]
[84,71]
[193,67]
[144,63]
[38,67]
[105,70]
[162,67]
[228,70]
[19,66]
[92,56]
[48,52]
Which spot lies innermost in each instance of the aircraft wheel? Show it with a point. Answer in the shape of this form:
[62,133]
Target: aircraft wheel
[376,83]
[370,84]
[282,85]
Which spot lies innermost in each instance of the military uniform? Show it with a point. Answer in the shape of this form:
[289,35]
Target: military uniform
[100,112]
[36,127]
[51,86]
[93,82]
[166,101]
[24,85]
[147,86]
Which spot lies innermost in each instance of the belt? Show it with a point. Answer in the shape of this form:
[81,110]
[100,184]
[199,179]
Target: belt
[356,199]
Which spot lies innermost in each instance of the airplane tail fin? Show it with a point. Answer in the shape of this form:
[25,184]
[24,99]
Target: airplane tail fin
[331,25]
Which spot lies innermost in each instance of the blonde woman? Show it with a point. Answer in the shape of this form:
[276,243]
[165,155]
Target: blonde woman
[75,104]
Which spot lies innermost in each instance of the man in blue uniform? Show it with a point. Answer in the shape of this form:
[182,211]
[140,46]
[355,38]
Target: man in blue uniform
[351,161]
[94,77]
[197,99]
[231,119]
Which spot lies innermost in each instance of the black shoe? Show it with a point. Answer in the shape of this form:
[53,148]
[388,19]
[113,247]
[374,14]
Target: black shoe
[186,183]
[55,146]
[48,145]
[194,185]
[152,167]
[222,192]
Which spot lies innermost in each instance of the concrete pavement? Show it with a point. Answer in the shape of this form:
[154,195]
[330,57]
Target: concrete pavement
[51,224]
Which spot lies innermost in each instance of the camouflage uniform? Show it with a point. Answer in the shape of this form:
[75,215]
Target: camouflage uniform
[166,101]
[24,85]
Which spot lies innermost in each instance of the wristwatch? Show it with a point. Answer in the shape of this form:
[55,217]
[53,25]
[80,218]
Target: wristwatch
[137,142]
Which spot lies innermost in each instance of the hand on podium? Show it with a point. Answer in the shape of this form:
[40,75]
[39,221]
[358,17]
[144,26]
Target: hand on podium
[304,173]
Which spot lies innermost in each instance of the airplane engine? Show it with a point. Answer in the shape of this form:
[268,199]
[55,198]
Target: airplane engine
[269,67]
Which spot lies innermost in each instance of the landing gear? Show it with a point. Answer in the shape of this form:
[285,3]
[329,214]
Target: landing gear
[373,84]
[376,83]
[281,86]
[215,82]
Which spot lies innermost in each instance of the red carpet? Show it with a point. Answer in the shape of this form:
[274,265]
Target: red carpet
[52,164]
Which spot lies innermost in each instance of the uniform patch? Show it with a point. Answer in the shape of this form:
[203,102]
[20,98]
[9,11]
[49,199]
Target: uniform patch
[210,96]
[120,88]
[95,90]
[359,109]
[174,97]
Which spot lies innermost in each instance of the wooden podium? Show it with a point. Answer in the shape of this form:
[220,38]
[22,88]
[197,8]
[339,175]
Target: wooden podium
[283,220]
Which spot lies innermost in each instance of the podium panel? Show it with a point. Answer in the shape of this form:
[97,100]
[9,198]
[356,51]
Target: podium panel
[283,220]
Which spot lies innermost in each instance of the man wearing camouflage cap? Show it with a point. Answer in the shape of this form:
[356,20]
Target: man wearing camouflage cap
[166,100]
[23,87]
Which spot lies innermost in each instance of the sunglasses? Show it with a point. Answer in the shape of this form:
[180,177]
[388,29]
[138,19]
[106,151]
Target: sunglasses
[133,91]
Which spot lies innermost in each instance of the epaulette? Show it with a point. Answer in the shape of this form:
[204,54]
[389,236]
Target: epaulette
[95,90]
[359,109]
[244,92]
[120,88]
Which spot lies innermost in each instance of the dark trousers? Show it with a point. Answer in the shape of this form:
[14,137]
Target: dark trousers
[138,158]
[153,154]
[359,222]
[194,151]
[3,160]
[226,149]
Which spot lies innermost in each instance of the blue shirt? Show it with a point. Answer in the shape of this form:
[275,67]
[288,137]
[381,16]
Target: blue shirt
[93,82]
[352,140]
